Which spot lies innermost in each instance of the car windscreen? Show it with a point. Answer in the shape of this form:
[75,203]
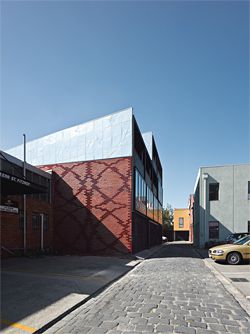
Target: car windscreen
[243,240]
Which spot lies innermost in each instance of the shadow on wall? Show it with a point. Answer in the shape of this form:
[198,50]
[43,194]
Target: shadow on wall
[101,227]
[78,231]
[210,232]
[205,229]
[146,233]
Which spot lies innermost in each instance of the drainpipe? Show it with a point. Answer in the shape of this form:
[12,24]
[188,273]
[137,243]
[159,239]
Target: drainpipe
[24,198]
[205,177]
[42,223]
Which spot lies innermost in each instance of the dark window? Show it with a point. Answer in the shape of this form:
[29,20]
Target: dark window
[36,221]
[140,193]
[213,191]
[181,222]
[156,209]
[248,226]
[213,230]
[150,203]
[248,193]
[45,222]
[145,201]
[21,220]
[10,168]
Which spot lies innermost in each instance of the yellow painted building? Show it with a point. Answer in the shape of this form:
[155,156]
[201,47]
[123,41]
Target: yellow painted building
[181,224]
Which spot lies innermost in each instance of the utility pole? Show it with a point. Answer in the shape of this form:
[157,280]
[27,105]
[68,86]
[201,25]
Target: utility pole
[24,198]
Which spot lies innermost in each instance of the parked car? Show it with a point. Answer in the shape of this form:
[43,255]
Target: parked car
[231,238]
[164,239]
[232,253]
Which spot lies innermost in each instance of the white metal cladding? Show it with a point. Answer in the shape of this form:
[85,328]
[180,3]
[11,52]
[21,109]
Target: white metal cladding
[103,138]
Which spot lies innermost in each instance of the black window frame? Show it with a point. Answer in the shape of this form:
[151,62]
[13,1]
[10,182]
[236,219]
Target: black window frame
[214,191]
[140,193]
[214,230]
[45,222]
[36,224]
[36,221]
[21,219]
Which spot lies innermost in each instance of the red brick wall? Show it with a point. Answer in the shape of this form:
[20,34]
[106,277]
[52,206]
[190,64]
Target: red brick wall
[12,234]
[92,206]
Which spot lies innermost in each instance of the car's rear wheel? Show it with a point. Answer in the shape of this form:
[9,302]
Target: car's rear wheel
[233,258]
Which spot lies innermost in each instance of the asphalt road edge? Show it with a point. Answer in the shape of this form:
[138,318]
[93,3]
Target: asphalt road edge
[237,294]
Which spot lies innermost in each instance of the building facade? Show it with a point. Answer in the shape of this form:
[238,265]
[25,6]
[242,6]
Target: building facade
[19,231]
[181,224]
[106,185]
[221,202]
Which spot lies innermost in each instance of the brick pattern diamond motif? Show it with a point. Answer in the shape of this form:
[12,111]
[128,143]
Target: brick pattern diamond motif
[92,206]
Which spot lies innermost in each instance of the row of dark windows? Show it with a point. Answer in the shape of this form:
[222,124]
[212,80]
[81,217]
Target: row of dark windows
[40,197]
[142,153]
[214,191]
[10,168]
[36,221]
[145,201]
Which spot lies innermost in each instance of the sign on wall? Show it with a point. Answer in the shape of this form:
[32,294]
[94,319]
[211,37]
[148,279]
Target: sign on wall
[7,208]
[7,205]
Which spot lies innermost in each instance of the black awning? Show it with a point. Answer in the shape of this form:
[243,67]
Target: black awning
[12,185]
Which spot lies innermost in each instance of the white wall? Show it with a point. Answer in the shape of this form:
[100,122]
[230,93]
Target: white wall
[103,138]
[232,209]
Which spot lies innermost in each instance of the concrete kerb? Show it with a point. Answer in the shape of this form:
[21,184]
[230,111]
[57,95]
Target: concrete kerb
[140,257]
[145,254]
[237,294]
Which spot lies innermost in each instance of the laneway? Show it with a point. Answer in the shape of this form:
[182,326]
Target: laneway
[173,292]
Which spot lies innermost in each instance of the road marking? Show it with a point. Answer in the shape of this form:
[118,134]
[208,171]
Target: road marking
[19,326]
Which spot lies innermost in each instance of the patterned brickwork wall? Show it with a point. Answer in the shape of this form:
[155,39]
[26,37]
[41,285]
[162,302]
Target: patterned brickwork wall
[92,206]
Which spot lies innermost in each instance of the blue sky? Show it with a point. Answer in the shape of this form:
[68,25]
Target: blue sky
[182,65]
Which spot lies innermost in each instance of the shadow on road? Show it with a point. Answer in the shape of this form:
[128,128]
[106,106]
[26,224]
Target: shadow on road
[177,249]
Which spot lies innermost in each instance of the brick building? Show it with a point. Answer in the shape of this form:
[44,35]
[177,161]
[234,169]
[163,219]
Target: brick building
[36,186]
[106,185]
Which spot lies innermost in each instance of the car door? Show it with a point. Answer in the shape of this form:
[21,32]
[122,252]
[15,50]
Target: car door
[245,251]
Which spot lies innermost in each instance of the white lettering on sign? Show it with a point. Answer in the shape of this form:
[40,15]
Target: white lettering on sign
[5,176]
[14,179]
[10,209]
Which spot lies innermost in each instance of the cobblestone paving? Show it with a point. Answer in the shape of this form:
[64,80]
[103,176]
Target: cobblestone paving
[174,292]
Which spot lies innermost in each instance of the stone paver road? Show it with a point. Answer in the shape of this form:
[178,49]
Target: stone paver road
[173,292]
